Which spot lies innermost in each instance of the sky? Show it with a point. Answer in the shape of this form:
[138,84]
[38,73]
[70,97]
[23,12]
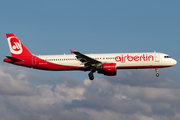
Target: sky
[92,26]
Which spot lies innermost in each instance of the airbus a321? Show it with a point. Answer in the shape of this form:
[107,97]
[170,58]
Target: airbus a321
[106,64]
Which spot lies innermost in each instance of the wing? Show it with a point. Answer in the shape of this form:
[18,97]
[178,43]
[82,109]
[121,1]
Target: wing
[86,60]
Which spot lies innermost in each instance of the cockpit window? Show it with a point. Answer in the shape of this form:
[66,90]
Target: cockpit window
[167,57]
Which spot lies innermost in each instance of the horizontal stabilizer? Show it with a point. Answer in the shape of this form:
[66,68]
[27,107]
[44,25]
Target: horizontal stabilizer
[14,59]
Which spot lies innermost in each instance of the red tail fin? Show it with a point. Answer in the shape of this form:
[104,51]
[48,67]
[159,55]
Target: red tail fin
[16,47]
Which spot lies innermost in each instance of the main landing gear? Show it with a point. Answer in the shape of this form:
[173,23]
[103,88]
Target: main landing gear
[157,74]
[91,76]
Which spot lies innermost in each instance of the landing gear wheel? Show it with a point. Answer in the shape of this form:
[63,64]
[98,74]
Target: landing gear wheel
[157,74]
[91,76]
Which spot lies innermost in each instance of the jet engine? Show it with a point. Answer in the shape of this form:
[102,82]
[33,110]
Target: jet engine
[108,69]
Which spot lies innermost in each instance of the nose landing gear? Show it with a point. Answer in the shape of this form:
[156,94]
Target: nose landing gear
[157,74]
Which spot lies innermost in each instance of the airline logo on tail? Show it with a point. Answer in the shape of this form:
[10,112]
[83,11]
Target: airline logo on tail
[15,45]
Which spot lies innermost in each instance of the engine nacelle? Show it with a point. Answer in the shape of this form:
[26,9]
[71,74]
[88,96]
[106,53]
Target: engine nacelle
[108,69]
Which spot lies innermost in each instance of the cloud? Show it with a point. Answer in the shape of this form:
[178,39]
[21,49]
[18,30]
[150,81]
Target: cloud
[132,95]
[145,78]
[16,84]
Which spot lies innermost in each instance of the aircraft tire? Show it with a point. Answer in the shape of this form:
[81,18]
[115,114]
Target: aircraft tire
[157,74]
[91,76]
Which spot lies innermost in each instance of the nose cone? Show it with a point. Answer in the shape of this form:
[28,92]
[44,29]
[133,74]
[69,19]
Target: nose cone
[174,62]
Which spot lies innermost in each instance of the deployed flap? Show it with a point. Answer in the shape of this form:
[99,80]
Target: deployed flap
[14,59]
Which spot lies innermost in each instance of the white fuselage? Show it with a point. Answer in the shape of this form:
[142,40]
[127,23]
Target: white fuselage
[122,60]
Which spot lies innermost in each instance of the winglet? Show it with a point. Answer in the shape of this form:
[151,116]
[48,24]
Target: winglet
[71,51]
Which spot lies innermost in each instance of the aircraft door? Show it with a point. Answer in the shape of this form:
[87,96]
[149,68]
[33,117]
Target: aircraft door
[33,60]
[157,58]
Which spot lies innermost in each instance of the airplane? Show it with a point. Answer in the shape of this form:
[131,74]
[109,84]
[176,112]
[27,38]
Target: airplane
[106,64]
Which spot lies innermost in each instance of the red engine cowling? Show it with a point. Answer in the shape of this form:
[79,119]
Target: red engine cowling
[108,69]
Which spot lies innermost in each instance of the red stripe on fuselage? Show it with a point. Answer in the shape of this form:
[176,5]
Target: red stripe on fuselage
[37,63]
[141,67]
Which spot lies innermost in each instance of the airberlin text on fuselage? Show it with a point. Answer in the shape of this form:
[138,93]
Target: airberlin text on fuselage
[144,57]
